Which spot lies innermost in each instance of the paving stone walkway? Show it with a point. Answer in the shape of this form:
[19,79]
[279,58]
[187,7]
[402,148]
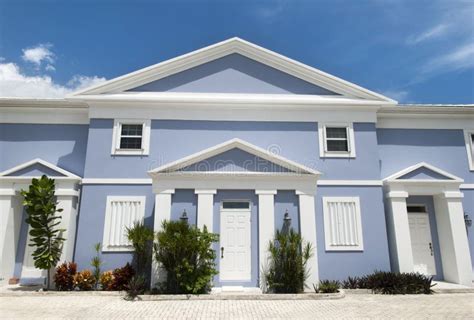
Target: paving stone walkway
[360,306]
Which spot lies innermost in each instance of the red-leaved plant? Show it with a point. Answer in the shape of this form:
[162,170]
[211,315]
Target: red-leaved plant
[64,276]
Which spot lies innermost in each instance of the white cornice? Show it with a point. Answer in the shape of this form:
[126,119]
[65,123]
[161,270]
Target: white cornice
[221,49]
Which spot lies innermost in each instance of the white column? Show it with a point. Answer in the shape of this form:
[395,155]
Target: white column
[205,208]
[266,229]
[68,222]
[162,213]
[452,237]
[399,232]
[10,223]
[307,215]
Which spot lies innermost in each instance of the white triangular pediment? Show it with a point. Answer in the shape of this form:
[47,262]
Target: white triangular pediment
[422,172]
[235,159]
[37,168]
[226,48]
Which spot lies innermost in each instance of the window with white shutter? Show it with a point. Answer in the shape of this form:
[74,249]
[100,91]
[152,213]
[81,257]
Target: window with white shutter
[121,213]
[342,224]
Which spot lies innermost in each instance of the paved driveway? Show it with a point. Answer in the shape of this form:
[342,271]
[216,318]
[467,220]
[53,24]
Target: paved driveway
[439,306]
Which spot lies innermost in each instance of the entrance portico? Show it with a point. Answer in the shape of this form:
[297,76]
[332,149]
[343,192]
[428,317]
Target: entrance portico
[426,180]
[15,252]
[239,165]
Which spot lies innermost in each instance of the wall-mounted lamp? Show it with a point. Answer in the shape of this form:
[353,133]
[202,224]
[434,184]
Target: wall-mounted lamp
[467,220]
[184,216]
[286,217]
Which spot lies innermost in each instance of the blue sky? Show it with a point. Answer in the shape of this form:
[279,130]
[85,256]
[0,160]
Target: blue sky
[412,51]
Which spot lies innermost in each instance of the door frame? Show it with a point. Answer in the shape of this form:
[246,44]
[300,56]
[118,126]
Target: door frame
[249,210]
[425,211]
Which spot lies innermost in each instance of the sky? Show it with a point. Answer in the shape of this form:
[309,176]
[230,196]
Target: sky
[413,51]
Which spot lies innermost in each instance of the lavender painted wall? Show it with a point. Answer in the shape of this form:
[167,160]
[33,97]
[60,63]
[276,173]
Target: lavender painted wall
[445,149]
[90,228]
[427,201]
[424,174]
[236,160]
[297,141]
[234,73]
[338,265]
[34,170]
[184,199]
[286,200]
[62,145]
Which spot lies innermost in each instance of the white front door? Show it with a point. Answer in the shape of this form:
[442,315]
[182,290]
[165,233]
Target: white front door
[235,247]
[421,243]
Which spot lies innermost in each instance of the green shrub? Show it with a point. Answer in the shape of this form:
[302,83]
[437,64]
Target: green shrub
[185,252]
[392,283]
[141,238]
[351,283]
[135,287]
[96,263]
[287,269]
[327,286]
[41,208]
[64,276]
[121,277]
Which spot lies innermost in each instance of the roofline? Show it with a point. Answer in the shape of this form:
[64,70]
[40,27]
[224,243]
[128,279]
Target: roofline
[6,102]
[221,49]
[427,109]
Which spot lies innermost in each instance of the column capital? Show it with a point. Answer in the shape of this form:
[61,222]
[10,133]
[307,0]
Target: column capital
[264,191]
[452,195]
[304,193]
[205,191]
[164,191]
[397,194]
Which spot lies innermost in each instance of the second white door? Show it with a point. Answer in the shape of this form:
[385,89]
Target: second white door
[421,243]
[235,247]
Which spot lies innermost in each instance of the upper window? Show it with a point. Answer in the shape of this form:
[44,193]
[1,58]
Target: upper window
[121,213]
[342,224]
[469,139]
[131,137]
[336,140]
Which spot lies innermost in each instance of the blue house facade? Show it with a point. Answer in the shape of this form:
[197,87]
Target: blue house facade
[236,136]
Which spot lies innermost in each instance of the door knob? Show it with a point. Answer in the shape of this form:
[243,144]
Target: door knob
[222,252]
[431,248]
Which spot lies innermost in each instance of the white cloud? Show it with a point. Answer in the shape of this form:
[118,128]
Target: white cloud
[14,83]
[398,95]
[430,34]
[39,54]
[461,58]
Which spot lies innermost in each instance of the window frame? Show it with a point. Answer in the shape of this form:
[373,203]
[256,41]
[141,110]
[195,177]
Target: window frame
[323,146]
[117,137]
[469,147]
[328,227]
[107,223]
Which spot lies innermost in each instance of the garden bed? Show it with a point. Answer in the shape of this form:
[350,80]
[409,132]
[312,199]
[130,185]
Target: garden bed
[244,296]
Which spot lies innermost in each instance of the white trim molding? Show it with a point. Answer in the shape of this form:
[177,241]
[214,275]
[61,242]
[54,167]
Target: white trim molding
[7,174]
[121,212]
[145,137]
[342,224]
[468,140]
[323,150]
[224,48]
[174,166]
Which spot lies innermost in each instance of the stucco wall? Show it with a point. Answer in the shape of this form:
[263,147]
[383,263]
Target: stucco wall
[62,145]
[445,149]
[173,139]
[338,265]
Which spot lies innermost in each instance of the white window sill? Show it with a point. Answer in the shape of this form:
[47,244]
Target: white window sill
[345,248]
[117,249]
[129,152]
[338,155]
